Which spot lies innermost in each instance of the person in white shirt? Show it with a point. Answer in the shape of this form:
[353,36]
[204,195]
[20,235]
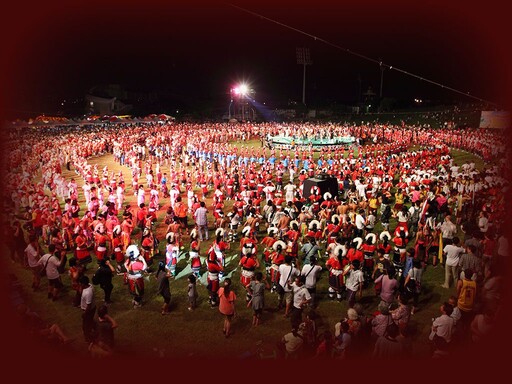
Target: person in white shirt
[301,298]
[51,262]
[287,273]
[360,224]
[442,326]
[483,222]
[448,230]
[452,254]
[311,272]
[88,307]
[354,282]
[289,191]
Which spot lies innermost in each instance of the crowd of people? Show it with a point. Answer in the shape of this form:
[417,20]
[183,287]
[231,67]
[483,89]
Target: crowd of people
[402,203]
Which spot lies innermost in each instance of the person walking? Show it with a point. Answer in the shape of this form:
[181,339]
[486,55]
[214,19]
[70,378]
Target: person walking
[301,298]
[103,277]
[88,307]
[256,289]
[192,292]
[50,263]
[200,216]
[227,298]
[452,254]
[163,288]
[311,272]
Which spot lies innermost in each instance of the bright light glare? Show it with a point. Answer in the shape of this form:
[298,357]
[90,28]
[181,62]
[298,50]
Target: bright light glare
[243,89]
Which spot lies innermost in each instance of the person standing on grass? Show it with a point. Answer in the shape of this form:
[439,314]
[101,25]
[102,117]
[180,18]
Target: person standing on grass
[227,298]
[256,289]
[192,292]
[452,253]
[135,266]
[466,293]
[389,285]
[354,282]
[162,277]
[195,261]
[200,216]
[33,255]
[88,307]
[301,298]
[287,273]
[51,262]
[104,274]
[413,289]
[106,325]
[311,272]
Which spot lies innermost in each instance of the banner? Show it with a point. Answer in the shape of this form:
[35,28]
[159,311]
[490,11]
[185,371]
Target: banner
[495,119]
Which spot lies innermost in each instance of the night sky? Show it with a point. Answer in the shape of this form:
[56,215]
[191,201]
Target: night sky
[196,51]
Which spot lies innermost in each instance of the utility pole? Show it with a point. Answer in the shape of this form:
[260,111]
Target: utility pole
[303,58]
[381,77]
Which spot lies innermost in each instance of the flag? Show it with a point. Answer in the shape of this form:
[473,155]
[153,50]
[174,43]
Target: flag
[440,252]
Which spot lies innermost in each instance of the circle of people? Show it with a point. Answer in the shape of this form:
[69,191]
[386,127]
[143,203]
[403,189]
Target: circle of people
[282,237]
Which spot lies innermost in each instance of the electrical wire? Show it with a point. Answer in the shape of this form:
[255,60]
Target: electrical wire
[353,53]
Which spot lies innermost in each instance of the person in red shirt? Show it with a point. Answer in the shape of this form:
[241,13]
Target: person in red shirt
[277,258]
[148,245]
[195,260]
[332,229]
[335,265]
[248,263]
[355,251]
[100,240]
[369,248]
[141,216]
[268,242]
[117,247]
[314,230]
[214,268]
[135,266]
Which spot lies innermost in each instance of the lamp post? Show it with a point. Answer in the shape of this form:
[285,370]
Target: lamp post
[381,77]
[239,95]
[303,58]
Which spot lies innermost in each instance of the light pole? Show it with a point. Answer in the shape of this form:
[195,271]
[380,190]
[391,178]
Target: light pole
[303,58]
[381,77]
[240,94]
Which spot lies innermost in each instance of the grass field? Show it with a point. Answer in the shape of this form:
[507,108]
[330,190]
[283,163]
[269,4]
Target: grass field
[183,333]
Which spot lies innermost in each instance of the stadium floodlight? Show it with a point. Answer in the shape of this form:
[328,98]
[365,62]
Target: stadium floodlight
[244,89]
[241,90]
[304,58]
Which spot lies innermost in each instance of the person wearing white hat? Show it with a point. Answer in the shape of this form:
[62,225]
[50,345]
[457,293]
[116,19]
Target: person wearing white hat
[218,247]
[135,266]
[195,261]
[117,247]
[335,265]
[214,267]
[248,263]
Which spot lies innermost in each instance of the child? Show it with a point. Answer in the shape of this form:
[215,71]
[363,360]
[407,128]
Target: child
[192,292]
